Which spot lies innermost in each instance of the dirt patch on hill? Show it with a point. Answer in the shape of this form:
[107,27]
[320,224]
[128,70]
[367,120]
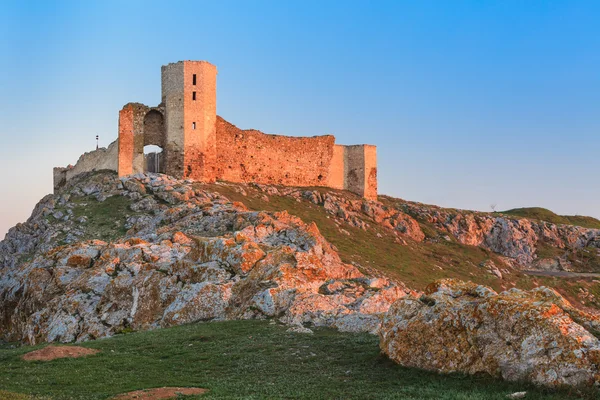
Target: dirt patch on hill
[53,352]
[159,393]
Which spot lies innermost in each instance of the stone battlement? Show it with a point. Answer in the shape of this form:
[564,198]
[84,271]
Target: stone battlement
[199,145]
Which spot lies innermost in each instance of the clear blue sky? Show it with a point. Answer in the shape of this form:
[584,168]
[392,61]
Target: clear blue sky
[469,102]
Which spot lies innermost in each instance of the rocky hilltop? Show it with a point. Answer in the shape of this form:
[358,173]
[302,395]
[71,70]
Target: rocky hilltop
[172,255]
[106,255]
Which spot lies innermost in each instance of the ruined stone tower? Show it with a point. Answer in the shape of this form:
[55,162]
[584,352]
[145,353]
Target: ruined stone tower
[189,95]
[199,145]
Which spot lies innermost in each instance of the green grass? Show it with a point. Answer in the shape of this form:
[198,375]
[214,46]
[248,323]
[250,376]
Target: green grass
[245,359]
[544,250]
[543,214]
[106,219]
[585,259]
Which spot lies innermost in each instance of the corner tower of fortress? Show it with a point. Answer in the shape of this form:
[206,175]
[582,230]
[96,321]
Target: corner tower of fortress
[199,145]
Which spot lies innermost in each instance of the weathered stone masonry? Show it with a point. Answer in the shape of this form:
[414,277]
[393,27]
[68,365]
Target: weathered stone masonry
[199,145]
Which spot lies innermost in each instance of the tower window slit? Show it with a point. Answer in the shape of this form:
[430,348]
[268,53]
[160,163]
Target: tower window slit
[194,80]
[193,95]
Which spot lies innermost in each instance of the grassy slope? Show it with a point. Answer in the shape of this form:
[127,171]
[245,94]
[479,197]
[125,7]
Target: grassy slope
[244,359]
[543,214]
[105,220]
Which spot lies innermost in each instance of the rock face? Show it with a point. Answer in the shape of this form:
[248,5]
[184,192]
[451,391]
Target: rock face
[517,335]
[187,255]
[517,239]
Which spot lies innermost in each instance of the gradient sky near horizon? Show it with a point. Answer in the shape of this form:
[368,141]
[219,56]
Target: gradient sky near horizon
[469,102]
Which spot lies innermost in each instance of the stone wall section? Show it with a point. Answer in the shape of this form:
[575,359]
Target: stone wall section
[354,171]
[370,167]
[139,114]
[337,173]
[354,168]
[154,128]
[252,156]
[125,162]
[97,160]
[131,138]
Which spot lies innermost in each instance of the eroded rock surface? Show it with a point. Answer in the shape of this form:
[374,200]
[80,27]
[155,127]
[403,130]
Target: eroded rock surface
[187,255]
[518,335]
[518,239]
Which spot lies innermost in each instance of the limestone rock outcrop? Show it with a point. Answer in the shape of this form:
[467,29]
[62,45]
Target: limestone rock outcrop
[518,239]
[178,254]
[518,335]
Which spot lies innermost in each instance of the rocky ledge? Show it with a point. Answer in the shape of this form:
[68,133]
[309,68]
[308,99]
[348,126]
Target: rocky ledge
[187,255]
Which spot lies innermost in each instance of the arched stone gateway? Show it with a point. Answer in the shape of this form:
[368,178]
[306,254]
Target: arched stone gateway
[154,142]
[154,129]
[140,126]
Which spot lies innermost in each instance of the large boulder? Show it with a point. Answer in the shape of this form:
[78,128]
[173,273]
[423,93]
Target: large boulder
[518,335]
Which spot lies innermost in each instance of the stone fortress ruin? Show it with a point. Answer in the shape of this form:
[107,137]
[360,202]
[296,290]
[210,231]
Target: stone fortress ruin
[197,144]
